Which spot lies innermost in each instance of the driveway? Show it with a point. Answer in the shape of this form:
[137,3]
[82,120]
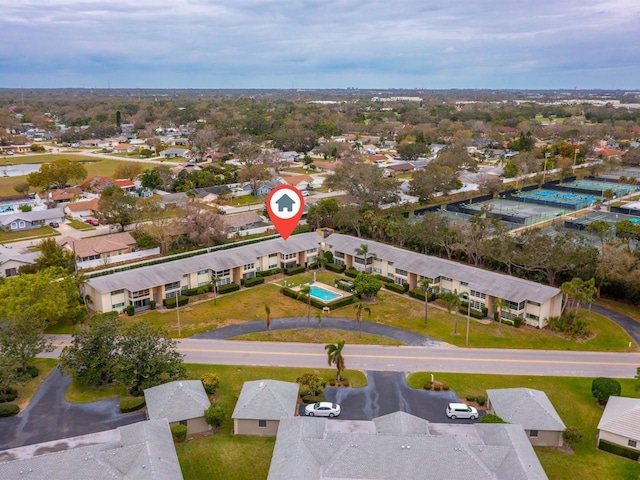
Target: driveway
[627,323]
[50,416]
[388,392]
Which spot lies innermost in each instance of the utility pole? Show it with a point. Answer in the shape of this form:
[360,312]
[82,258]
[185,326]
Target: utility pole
[178,313]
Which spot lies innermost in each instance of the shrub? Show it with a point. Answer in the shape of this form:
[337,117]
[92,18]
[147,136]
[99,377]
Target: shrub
[331,383]
[470,398]
[419,294]
[9,395]
[602,388]
[328,256]
[332,267]
[480,400]
[171,302]
[351,272]
[570,325]
[210,382]
[152,304]
[215,415]
[229,287]
[428,385]
[295,270]
[179,433]
[32,371]
[445,387]
[267,273]
[311,398]
[463,308]
[572,436]
[436,388]
[616,450]
[131,404]
[395,287]
[250,282]
[345,382]
[130,310]
[310,383]
[9,409]
[405,287]
[517,322]
[491,418]
[344,286]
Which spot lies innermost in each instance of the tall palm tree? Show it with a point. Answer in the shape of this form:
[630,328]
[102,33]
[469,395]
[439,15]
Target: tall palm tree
[424,285]
[306,290]
[363,251]
[359,307]
[267,311]
[334,355]
[451,300]
[319,320]
[214,282]
[498,304]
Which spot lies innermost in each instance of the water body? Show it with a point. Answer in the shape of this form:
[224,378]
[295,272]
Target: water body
[18,170]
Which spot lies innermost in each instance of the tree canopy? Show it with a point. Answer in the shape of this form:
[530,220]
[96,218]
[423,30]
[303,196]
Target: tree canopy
[57,174]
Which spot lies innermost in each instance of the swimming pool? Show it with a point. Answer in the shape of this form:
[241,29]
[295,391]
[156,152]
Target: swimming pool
[322,294]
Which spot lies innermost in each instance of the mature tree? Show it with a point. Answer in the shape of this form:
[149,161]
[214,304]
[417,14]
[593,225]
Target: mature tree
[578,292]
[216,414]
[305,292]
[54,255]
[412,150]
[8,371]
[364,181]
[116,207]
[628,231]
[148,358]
[434,178]
[22,188]
[489,184]
[203,227]
[474,235]
[602,230]
[424,285]
[158,178]
[366,285]
[363,251]
[498,305]
[451,301]
[23,339]
[322,212]
[603,387]
[58,174]
[349,217]
[94,352]
[128,170]
[204,139]
[360,308]
[254,174]
[334,356]
[160,223]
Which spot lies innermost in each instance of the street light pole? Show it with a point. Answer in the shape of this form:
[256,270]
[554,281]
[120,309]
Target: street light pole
[544,170]
[468,318]
[178,313]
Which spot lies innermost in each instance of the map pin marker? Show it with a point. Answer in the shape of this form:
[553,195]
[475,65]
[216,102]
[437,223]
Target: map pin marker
[285,205]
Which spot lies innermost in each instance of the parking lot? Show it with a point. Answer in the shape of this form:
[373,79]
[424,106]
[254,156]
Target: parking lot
[388,392]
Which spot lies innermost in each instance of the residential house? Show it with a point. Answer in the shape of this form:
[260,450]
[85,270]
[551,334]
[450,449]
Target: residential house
[142,450]
[399,168]
[242,221]
[181,402]
[289,156]
[124,148]
[301,182]
[400,445]
[265,188]
[30,220]
[4,149]
[327,166]
[620,422]
[180,141]
[211,194]
[102,247]
[174,200]
[60,195]
[531,409]
[262,405]
[82,209]
[98,184]
[11,261]
[175,152]
[378,158]
[13,203]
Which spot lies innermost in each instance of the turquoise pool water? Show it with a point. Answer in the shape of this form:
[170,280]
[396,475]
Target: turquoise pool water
[322,294]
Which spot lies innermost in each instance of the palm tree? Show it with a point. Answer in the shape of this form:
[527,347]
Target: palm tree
[319,320]
[424,285]
[214,282]
[267,311]
[363,251]
[451,300]
[334,355]
[359,307]
[498,304]
[306,290]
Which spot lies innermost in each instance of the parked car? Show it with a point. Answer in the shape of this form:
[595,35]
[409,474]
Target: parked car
[91,221]
[461,410]
[54,224]
[322,409]
[305,193]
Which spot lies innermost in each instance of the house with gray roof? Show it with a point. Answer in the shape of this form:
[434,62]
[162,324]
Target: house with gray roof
[530,408]
[142,451]
[181,402]
[262,405]
[620,422]
[11,260]
[401,446]
[29,220]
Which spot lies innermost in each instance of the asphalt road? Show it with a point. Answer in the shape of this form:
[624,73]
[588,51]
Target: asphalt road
[407,359]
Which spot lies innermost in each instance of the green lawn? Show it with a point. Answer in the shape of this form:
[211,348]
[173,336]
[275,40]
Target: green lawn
[27,390]
[35,233]
[576,406]
[314,335]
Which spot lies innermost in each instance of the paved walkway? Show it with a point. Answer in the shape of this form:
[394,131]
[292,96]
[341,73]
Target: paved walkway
[348,324]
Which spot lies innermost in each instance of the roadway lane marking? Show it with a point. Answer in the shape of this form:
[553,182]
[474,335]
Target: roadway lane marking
[402,357]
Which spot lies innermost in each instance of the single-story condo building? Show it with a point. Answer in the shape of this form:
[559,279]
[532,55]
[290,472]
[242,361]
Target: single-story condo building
[532,302]
[262,404]
[620,422]
[181,403]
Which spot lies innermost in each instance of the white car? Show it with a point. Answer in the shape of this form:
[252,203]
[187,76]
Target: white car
[461,410]
[322,409]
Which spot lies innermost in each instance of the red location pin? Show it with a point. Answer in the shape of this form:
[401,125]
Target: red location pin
[285,205]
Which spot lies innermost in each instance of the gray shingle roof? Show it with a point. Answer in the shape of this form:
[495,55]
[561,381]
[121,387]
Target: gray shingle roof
[527,407]
[306,449]
[145,452]
[155,275]
[266,400]
[176,401]
[33,216]
[621,416]
[494,284]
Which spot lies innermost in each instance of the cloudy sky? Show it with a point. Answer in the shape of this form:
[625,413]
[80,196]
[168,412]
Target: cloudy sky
[320,43]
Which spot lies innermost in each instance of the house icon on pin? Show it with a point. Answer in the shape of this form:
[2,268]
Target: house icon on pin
[285,203]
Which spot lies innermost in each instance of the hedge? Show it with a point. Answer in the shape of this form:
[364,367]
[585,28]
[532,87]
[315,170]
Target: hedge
[189,292]
[345,287]
[295,270]
[9,395]
[473,312]
[250,282]
[131,404]
[332,267]
[179,432]
[229,287]
[171,302]
[384,279]
[351,272]
[394,287]
[619,450]
[268,273]
[9,409]
[419,294]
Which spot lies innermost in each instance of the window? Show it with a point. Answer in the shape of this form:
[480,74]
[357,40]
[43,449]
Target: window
[203,272]
[475,305]
[262,423]
[445,278]
[183,422]
[287,256]
[117,292]
[633,443]
[532,317]
[312,250]
[514,305]
[222,273]
[475,293]
[249,266]
[401,272]
[464,284]
[172,286]
[140,293]
[533,433]
[536,304]
[116,306]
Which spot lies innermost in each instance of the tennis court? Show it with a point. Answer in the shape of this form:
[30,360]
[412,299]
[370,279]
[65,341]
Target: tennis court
[581,223]
[597,188]
[553,198]
[518,212]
